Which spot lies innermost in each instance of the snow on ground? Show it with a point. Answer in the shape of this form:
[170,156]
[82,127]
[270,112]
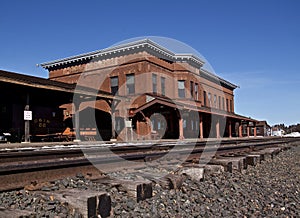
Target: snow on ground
[293,134]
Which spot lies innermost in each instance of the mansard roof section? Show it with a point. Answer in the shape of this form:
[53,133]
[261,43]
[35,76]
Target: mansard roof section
[214,78]
[123,49]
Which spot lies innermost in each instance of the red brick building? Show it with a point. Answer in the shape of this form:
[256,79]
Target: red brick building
[166,95]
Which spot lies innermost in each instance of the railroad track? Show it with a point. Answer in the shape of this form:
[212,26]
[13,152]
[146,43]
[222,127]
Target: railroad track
[21,167]
[131,169]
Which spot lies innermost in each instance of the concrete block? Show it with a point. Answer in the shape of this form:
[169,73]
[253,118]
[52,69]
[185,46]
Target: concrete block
[231,163]
[252,159]
[175,181]
[271,152]
[196,174]
[226,163]
[214,169]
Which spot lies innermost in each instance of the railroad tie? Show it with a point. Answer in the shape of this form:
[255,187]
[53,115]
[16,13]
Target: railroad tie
[89,203]
[136,189]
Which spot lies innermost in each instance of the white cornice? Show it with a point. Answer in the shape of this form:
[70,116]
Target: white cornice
[221,80]
[144,44]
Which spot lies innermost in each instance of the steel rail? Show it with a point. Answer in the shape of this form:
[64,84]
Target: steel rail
[43,161]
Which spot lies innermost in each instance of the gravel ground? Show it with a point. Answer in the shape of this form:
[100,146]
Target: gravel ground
[271,189]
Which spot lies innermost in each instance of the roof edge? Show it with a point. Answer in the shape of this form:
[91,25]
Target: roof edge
[123,47]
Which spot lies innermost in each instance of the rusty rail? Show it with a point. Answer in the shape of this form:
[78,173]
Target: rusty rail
[20,168]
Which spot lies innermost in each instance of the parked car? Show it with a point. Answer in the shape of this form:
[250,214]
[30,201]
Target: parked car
[5,137]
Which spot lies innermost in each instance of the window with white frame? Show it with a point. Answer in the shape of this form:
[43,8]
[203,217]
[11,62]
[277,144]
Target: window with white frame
[181,89]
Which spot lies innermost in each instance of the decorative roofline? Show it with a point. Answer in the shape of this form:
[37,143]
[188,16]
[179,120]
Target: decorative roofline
[145,43]
[221,80]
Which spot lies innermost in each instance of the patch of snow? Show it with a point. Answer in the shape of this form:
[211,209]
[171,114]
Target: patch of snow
[293,134]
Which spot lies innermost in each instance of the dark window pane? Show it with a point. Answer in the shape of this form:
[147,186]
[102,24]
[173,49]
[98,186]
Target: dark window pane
[154,83]
[163,85]
[114,85]
[192,88]
[196,92]
[130,84]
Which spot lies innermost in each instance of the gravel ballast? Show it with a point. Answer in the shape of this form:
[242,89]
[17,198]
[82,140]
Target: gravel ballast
[270,189]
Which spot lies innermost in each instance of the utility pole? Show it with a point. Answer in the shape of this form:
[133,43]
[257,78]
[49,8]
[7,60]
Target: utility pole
[27,118]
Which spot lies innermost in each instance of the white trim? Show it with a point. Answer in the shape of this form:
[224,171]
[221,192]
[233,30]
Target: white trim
[146,43]
[206,72]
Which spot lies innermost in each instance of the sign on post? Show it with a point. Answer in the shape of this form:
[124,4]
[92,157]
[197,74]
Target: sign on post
[27,115]
[128,123]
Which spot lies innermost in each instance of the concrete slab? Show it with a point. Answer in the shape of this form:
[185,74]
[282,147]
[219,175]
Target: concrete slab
[196,173]
[213,169]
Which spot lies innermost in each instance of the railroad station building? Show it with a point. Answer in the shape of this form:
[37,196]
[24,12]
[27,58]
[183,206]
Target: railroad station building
[138,90]
[43,97]
[161,95]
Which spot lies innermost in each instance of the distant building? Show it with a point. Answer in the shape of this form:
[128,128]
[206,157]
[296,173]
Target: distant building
[276,131]
[263,128]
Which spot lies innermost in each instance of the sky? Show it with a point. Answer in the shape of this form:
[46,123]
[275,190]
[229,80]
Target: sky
[254,44]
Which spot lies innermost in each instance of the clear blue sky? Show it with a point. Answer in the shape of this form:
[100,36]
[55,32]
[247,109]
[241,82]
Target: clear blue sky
[254,44]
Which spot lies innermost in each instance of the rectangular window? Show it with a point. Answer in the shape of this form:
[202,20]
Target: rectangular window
[231,106]
[209,99]
[204,98]
[153,125]
[219,101]
[154,83]
[196,124]
[223,103]
[184,123]
[114,85]
[163,85]
[192,89]
[196,92]
[130,84]
[181,89]
[158,125]
[227,105]
[215,100]
[118,124]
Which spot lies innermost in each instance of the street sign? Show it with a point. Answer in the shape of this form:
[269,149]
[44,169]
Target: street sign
[128,123]
[27,115]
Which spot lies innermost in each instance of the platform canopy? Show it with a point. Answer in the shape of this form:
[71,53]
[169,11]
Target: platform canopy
[44,91]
